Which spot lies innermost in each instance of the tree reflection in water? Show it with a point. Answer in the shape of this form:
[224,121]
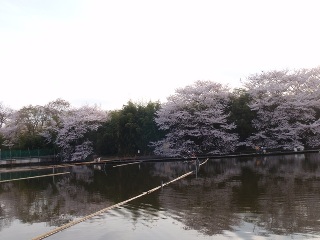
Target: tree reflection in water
[279,195]
[268,195]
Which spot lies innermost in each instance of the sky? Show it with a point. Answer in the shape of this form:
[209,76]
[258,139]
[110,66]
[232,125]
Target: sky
[109,52]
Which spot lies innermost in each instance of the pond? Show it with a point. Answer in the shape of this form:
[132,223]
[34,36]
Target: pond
[265,197]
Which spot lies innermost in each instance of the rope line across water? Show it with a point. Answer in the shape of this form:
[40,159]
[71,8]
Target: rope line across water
[70,224]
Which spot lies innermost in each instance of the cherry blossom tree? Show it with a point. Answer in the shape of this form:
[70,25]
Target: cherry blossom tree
[24,127]
[195,120]
[56,123]
[70,134]
[13,128]
[5,113]
[287,105]
[54,111]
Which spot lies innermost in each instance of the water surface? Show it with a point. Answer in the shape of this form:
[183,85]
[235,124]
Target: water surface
[267,197]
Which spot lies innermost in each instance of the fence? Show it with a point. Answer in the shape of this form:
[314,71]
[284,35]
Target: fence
[28,153]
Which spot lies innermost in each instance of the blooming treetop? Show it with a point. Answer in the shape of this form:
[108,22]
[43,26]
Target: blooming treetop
[5,112]
[70,134]
[287,105]
[65,127]
[195,120]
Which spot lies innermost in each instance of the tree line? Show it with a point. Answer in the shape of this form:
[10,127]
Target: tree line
[76,133]
[275,109]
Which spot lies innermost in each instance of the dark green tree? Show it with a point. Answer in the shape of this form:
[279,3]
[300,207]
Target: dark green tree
[241,114]
[129,130]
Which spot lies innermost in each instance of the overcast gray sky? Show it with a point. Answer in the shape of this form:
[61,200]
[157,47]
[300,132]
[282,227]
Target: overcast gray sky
[108,52]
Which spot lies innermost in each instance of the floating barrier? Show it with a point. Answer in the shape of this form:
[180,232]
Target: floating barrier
[51,166]
[40,176]
[70,224]
[125,164]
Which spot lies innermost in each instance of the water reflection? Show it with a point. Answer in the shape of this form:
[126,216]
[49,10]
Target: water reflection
[230,198]
[279,195]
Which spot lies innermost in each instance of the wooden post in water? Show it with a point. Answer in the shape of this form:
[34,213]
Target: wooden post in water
[197,166]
